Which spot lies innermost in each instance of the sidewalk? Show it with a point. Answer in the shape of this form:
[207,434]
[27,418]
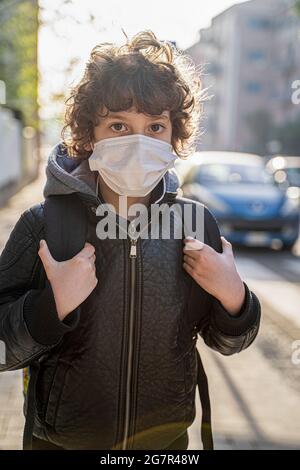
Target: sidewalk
[11,398]
[255,394]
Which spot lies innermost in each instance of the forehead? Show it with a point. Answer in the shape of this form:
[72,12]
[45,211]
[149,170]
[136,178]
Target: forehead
[133,114]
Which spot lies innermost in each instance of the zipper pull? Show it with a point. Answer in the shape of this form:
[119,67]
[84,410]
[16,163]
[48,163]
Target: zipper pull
[132,249]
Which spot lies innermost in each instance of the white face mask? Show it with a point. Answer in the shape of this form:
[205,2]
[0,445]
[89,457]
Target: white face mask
[132,165]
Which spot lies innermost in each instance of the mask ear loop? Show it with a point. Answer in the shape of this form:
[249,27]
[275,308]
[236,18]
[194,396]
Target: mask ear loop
[97,184]
[98,176]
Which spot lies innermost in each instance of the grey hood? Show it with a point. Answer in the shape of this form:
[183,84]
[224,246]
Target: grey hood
[67,175]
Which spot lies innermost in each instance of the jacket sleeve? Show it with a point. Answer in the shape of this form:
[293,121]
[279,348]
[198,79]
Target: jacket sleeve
[29,324]
[221,331]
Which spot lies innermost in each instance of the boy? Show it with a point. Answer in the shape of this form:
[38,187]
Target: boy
[117,323]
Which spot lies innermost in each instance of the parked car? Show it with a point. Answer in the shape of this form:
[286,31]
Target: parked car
[251,209]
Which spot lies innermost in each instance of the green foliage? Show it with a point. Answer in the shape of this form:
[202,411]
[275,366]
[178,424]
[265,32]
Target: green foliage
[18,56]
[297,7]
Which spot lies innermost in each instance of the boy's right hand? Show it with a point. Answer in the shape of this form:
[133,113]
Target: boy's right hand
[72,280]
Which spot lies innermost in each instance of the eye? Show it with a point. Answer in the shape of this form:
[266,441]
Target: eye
[117,124]
[154,127]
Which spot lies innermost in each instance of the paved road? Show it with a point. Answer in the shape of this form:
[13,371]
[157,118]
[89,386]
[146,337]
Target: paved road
[255,395]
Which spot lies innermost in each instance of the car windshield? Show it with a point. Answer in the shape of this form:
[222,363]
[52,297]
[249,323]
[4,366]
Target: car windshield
[230,173]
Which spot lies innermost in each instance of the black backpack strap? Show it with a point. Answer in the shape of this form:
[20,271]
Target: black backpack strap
[206,429]
[65,233]
[202,382]
[31,404]
[65,225]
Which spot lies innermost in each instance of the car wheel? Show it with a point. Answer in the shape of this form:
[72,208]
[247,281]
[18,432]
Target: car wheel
[287,246]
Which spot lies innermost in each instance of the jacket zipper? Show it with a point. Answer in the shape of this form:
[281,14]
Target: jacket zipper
[130,355]
[131,337]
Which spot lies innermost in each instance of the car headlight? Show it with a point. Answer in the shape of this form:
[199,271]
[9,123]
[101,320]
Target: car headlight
[290,206]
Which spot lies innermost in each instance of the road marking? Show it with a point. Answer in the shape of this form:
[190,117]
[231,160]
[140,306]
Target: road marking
[293,266]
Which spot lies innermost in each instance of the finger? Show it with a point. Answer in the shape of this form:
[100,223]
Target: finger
[197,254]
[198,268]
[193,244]
[45,255]
[92,259]
[227,246]
[87,251]
[92,264]
[190,261]
[191,272]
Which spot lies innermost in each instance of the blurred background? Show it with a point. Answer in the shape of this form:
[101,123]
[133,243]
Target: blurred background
[246,170]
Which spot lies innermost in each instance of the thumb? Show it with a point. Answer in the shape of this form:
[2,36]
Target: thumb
[227,246]
[45,255]
[87,251]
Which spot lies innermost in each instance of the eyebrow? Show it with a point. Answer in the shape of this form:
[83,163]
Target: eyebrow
[123,116]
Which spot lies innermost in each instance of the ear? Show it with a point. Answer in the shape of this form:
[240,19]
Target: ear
[88,147]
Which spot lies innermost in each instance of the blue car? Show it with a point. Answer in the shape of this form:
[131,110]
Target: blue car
[251,209]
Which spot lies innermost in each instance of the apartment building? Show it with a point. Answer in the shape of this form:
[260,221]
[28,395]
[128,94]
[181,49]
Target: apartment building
[251,57]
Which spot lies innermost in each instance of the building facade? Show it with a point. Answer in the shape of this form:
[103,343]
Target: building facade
[251,57]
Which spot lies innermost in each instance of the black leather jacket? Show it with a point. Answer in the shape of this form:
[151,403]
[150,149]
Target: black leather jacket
[82,387]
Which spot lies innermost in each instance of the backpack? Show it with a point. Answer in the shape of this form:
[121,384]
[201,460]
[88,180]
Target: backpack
[65,232]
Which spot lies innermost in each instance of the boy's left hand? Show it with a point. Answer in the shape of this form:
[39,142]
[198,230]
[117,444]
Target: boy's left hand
[215,272]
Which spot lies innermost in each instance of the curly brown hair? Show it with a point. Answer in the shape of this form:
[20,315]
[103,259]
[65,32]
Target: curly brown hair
[146,73]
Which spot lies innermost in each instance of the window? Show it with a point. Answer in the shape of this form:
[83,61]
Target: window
[256,55]
[259,23]
[215,173]
[253,87]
